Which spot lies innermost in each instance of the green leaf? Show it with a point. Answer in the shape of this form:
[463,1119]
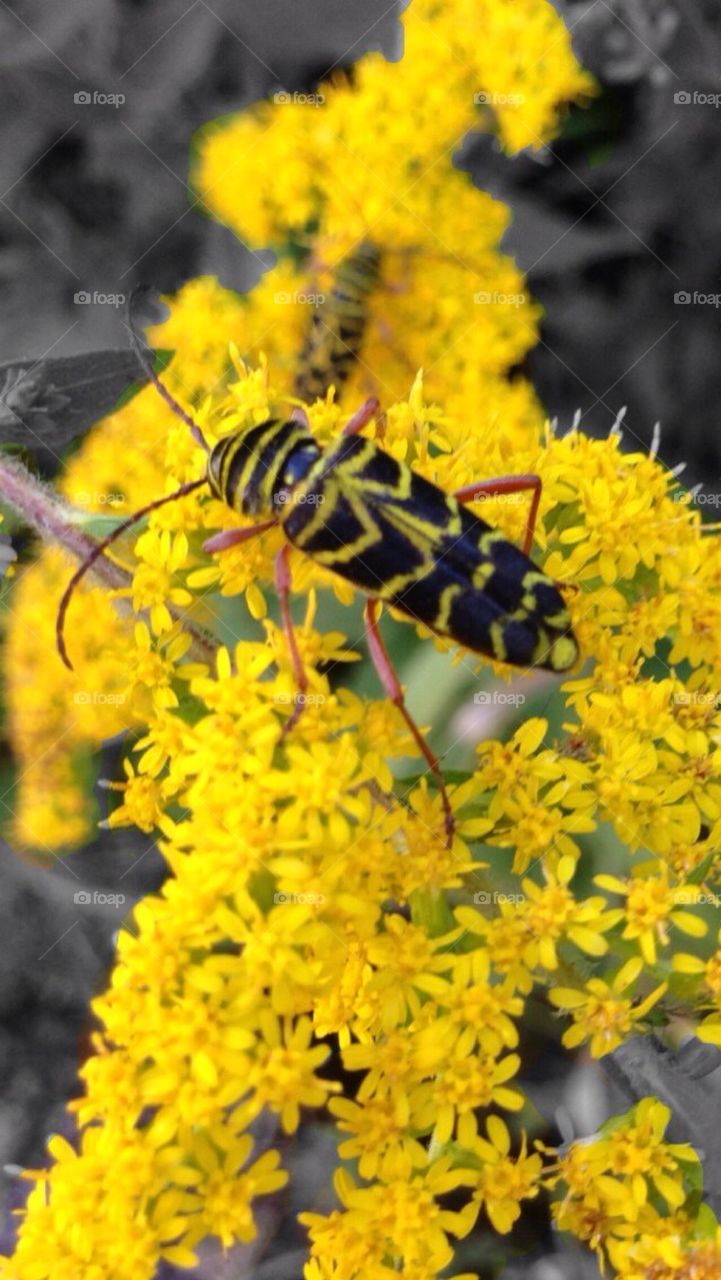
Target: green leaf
[706,1224]
[451,777]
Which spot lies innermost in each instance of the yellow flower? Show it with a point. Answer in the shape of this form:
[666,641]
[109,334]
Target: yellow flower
[154,581]
[143,801]
[610,1180]
[502,1181]
[531,924]
[228,1189]
[282,1076]
[465,1079]
[310,892]
[640,1154]
[651,902]
[400,1216]
[601,1012]
[539,798]
[379,1126]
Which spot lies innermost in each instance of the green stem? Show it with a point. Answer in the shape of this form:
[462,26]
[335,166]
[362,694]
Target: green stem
[430,909]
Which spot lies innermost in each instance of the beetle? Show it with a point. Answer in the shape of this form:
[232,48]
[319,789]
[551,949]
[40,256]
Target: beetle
[398,538]
[334,340]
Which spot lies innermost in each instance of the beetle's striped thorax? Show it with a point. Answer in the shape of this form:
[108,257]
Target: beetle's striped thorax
[255,470]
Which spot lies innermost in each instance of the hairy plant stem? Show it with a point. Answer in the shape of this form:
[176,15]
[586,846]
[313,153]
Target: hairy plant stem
[50,517]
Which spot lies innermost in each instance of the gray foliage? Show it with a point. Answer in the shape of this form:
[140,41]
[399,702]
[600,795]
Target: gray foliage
[57,930]
[618,218]
[46,404]
[689,1082]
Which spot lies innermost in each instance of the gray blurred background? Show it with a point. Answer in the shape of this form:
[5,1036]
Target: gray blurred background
[617,225]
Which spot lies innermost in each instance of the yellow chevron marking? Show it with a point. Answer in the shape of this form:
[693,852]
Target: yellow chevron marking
[488,540]
[560,620]
[482,574]
[498,640]
[564,653]
[448,595]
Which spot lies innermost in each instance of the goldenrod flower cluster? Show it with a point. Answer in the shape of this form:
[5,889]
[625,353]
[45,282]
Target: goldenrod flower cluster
[311,900]
[624,1193]
[377,163]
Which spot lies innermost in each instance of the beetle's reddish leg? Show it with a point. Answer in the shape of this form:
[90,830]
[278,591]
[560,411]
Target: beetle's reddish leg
[391,684]
[507,484]
[361,417]
[229,537]
[283,583]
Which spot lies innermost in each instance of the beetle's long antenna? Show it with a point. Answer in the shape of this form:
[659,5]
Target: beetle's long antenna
[98,550]
[146,361]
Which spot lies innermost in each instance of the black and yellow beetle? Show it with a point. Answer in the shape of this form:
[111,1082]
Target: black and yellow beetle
[334,340]
[364,515]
